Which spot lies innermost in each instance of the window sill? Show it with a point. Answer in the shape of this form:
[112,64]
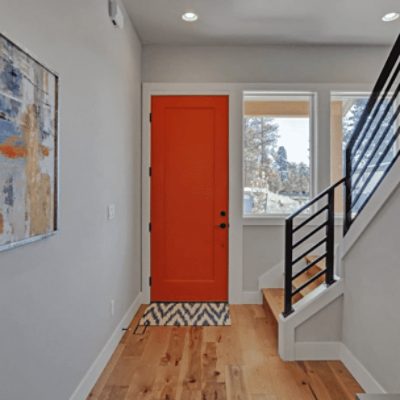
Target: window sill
[279,220]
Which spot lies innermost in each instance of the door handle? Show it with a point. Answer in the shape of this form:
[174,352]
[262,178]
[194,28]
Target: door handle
[223,225]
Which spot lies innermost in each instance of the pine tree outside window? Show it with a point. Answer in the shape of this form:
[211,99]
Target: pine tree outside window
[276,153]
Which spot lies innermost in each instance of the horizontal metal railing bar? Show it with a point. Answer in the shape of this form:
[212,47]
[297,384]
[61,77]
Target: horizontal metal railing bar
[320,243]
[313,232]
[315,199]
[377,128]
[377,108]
[309,282]
[380,84]
[350,212]
[377,165]
[306,268]
[376,147]
[295,229]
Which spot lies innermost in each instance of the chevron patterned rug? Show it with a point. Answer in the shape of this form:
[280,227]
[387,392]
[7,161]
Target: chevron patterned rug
[186,314]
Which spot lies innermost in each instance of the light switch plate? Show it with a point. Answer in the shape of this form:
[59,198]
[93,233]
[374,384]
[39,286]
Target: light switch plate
[111,211]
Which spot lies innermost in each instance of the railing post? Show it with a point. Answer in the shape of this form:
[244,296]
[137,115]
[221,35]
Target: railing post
[288,267]
[330,239]
[347,192]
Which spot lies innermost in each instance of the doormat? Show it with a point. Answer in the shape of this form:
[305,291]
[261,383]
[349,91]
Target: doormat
[186,314]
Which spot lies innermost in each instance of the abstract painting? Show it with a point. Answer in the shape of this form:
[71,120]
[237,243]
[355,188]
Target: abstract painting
[28,147]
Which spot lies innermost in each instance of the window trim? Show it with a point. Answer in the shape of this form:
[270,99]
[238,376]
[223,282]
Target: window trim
[278,219]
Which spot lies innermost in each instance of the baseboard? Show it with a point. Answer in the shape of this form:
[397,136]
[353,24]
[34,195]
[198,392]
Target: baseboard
[94,372]
[305,351]
[360,373]
[252,297]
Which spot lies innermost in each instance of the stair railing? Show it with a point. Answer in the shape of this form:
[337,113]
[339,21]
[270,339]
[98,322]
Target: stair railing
[370,153]
[373,147]
[322,208]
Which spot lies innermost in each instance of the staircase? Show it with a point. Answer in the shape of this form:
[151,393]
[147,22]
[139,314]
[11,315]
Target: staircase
[310,232]
[273,299]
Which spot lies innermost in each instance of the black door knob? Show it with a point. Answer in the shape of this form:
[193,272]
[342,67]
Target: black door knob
[222,226]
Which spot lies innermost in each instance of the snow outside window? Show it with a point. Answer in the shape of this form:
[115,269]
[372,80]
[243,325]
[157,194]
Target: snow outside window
[276,153]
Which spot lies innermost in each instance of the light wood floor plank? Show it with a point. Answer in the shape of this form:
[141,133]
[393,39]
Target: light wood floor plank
[239,362]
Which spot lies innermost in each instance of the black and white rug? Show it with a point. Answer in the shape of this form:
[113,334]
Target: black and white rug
[186,314]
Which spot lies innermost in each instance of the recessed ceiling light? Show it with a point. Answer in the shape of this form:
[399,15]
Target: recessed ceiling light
[389,17]
[190,17]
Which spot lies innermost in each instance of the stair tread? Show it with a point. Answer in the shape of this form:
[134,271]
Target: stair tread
[315,269]
[303,279]
[274,298]
[319,266]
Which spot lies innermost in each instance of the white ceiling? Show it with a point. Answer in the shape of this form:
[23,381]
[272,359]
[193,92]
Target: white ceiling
[224,22]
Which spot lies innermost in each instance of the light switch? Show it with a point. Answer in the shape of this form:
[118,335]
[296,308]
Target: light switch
[111,211]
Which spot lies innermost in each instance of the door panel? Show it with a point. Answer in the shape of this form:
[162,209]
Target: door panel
[189,190]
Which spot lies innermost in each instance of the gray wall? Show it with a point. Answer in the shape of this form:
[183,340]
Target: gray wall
[281,64]
[371,321]
[263,245]
[55,294]
[262,250]
[324,326]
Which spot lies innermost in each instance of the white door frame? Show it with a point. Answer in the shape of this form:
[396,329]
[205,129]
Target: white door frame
[235,256]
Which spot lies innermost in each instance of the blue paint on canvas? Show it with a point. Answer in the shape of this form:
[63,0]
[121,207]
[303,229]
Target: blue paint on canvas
[12,78]
[8,191]
[9,108]
[8,129]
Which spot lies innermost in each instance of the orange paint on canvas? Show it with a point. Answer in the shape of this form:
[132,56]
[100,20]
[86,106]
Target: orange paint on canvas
[11,151]
[45,151]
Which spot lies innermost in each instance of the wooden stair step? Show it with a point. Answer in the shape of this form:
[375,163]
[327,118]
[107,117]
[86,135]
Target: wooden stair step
[273,300]
[303,279]
[315,269]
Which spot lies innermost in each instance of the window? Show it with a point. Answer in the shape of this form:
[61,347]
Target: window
[346,110]
[276,153]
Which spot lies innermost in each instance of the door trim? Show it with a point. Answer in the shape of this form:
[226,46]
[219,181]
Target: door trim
[235,256]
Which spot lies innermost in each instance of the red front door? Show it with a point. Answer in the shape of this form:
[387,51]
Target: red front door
[189,198]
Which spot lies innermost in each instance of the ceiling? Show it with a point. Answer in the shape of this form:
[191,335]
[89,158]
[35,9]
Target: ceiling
[245,22]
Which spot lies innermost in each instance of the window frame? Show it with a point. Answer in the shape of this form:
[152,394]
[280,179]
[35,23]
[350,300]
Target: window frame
[278,219]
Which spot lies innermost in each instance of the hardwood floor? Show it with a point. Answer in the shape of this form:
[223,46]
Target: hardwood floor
[214,363]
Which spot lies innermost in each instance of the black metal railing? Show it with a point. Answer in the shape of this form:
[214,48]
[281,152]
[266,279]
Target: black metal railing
[370,153]
[303,241]
[372,148]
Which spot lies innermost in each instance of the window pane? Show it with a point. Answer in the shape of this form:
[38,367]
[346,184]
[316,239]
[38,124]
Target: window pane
[276,153]
[346,110]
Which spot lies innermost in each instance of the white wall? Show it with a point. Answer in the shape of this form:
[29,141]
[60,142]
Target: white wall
[324,68]
[371,321]
[55,294]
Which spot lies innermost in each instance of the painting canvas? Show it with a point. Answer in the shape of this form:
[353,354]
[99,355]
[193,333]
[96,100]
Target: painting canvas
[28,147]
